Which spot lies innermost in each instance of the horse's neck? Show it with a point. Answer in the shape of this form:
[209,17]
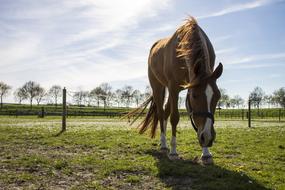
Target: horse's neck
[193,77]
[205,68]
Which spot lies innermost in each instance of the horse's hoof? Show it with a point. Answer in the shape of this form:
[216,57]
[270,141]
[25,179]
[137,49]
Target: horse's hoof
[164,150]
[207,160]
[173,157]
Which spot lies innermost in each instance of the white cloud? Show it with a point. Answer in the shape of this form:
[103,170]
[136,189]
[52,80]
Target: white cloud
[220,52]
[117,16]
[18,50]
[236,8]
[77,43]
[258,57]
[221,39]
[259,65]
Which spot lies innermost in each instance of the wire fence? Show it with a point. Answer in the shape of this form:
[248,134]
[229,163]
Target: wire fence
[75,111]
[16,110]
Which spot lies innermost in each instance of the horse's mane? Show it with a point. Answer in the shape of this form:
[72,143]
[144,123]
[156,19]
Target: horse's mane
[190,44]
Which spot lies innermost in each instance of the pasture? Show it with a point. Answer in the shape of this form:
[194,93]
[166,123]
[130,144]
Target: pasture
[101,153]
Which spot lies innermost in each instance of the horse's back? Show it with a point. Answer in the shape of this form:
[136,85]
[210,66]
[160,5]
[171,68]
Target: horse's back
[159,44]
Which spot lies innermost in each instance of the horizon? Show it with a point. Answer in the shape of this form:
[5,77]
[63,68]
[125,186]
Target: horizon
[80,44]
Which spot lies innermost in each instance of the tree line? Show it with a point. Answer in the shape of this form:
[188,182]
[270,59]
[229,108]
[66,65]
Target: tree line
[257,97]
[104,95]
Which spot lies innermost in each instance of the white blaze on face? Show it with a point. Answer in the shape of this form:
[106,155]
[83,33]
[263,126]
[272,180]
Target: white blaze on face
[209,95]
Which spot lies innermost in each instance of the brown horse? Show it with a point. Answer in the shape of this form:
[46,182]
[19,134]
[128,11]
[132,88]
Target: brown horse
[183,61]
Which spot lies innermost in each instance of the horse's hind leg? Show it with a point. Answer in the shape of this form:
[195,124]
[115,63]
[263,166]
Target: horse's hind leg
[163,126]
[158,97]
[174,119]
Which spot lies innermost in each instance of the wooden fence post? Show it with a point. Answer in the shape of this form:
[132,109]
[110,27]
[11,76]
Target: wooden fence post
[42,112]
[63,110]
[63,124]
[249,114]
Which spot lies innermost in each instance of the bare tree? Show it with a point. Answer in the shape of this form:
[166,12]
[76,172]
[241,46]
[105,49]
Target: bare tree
[231,103]
[40,94]
[137,97]
[55,92]
[118,96]
[80,97]
[236,101]
[20,95]
[268,99]
[127,94]
[30,89]
[147,92]
[109,98]
[96,93]
[256,96]
[105,93]
[279,96]
[224,100]
[89,98]
[4,90]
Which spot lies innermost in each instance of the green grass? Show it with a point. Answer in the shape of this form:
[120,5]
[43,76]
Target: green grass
[107,154]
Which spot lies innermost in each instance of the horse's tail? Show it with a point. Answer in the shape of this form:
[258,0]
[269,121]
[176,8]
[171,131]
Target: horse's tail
[151,118]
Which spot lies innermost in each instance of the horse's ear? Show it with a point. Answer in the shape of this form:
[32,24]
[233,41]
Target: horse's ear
[218,71]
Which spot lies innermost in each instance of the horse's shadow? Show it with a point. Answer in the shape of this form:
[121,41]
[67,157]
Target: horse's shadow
[189,174]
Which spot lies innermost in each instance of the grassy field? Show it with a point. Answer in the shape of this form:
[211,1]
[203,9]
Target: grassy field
[108,154]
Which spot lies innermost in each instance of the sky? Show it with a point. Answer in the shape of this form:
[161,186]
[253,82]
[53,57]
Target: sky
[81,43]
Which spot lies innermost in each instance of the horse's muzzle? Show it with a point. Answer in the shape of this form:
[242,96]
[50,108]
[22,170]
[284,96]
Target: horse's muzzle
[206,139]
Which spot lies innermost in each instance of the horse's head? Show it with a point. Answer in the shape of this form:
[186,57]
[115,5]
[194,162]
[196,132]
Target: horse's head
[201,101]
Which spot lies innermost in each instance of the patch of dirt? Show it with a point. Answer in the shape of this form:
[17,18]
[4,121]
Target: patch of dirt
[120,180]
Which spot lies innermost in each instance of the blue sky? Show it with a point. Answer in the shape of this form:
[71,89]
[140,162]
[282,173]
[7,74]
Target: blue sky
[82,43]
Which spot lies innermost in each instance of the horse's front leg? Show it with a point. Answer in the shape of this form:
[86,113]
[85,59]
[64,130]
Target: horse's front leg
[163,141]
[206,156]
[174,119]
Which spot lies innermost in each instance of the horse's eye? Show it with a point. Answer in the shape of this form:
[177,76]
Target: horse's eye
[194,96]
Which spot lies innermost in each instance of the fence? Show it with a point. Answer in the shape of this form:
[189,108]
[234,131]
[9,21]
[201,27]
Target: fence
[225,114]
[75,111]
[71,112]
